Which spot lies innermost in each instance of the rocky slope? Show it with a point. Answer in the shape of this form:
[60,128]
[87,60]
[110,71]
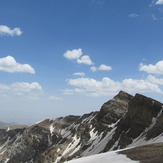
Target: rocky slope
[125,121]
[152,153]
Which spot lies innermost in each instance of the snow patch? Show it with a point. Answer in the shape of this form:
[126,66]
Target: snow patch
[157,139]
[75,150]
[154,120]
[115,144]
[6,142]
[142,140]
[98,145]
[51,129]
[3,152]
[8,129]
[7,160]
[93,135]
[58,149]
[40,121]
[109,157]
[88,119]
[66,133]
[71,147]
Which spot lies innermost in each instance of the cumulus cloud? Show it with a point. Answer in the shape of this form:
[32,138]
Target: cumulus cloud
[132,85]
[159,2]
[73,54]
[133,15]
[5,30]
[102,67]
[152,69]
[76,55]
[155,80]
[9,64]
[30,90]
[85,60]
[79,74]
[107,86]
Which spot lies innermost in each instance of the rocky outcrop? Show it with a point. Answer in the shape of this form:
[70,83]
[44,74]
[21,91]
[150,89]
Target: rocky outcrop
[143,120]
[124,121]
[114,109]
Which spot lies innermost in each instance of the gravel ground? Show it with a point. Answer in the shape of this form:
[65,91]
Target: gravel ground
[152,153]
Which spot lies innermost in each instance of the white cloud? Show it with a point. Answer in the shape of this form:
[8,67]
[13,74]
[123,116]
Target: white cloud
[84,82]
[159,2]
[102,67]
[132,85]
[9,64]
[79,74]
[76,55]
[155,80]
[73,54]
[85,60]
[55,98]
[133,15]
[152,69]
[93,68]
[5,30]
[30,90]
[107,86]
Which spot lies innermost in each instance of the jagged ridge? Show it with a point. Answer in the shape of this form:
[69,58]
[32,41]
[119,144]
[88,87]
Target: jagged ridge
[124,121]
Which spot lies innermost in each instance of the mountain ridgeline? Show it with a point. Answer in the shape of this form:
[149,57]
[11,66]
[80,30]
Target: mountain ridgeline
[123,122]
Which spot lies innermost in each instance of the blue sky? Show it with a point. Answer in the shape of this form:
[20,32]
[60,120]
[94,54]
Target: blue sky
[61,57]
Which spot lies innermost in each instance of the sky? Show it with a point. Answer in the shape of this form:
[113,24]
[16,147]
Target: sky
[68,57]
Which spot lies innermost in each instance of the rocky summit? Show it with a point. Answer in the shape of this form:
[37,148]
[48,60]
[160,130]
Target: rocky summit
[123,122]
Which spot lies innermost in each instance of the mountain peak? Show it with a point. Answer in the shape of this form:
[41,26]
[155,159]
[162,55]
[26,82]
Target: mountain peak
[123,95]
[122,122]
[114,109]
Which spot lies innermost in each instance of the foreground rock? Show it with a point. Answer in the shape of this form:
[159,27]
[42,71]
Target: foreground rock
[125,121]
[152,153]
[144,154]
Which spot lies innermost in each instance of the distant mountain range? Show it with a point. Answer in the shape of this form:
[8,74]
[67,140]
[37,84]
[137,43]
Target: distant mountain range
[131,123]
[3,125]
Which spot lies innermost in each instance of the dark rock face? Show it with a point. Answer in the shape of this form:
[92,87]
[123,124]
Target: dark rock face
[122,122]
[9,136]
[144,118]
[114,109]
[143,109]
[142,113]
